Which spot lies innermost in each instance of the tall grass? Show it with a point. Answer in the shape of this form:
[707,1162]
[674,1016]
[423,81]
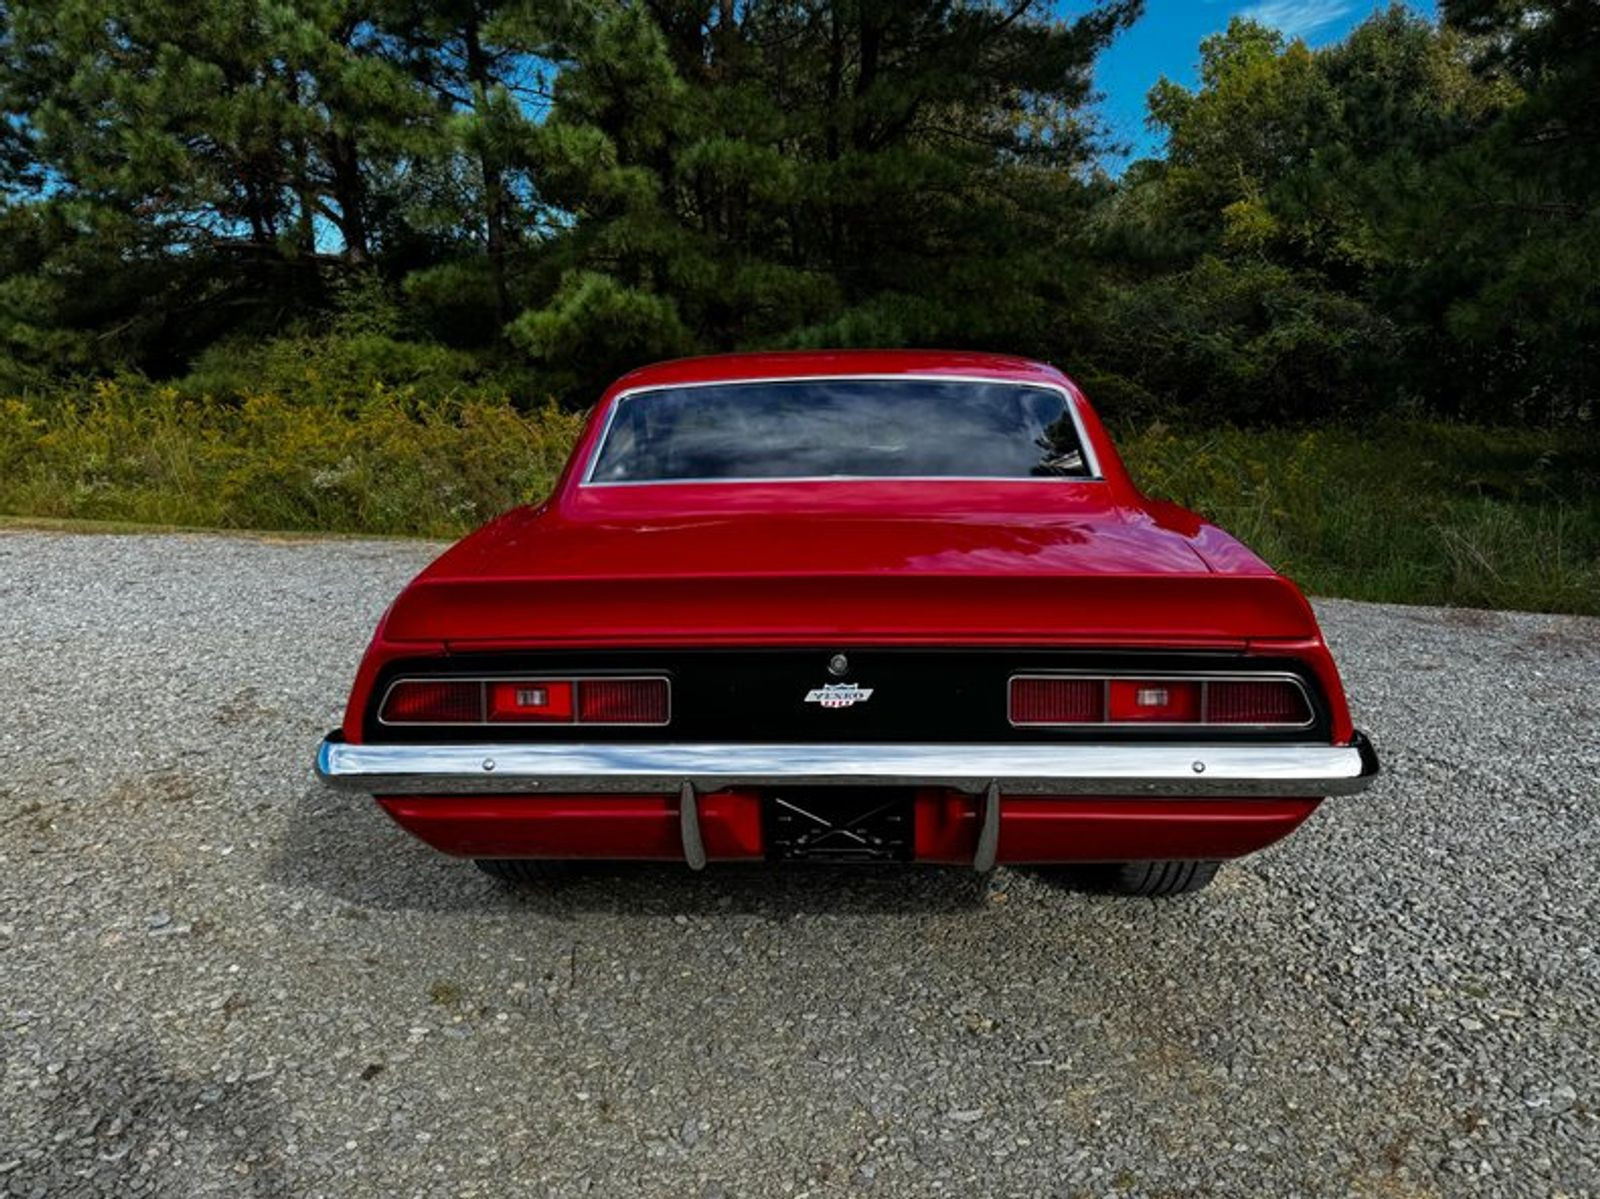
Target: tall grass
[1405,511]
[385,461]
[1408,511]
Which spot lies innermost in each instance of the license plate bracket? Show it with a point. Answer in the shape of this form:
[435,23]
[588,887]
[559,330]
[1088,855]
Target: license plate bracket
[840,824]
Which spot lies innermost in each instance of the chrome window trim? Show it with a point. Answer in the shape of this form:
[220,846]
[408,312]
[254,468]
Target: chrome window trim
[1071,401]
[1200,676]
[483,720]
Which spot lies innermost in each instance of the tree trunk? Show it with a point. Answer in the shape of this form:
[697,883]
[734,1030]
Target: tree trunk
[835,96]
[494,189]
[305,232]
[871,46]
[350,195]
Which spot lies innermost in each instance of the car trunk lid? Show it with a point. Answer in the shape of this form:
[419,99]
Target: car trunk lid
[1016,563]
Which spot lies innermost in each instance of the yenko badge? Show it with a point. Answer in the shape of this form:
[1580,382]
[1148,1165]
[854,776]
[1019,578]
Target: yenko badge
[839,695]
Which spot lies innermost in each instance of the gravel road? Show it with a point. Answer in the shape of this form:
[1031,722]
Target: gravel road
[218,979]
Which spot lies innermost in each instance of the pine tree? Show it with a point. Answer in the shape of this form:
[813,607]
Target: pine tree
[1513,246]
[215,151]
[483,60]
[738,175]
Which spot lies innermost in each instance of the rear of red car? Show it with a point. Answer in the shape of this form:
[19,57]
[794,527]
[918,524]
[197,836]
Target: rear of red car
[873,667]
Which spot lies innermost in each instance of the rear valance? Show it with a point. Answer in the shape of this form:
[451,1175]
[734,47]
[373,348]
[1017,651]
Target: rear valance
[1121,609]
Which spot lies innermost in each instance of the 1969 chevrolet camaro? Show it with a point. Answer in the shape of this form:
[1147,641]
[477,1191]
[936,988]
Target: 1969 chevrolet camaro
[850,607]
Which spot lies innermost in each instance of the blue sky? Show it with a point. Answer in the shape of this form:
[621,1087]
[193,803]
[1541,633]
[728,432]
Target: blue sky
[1166,41]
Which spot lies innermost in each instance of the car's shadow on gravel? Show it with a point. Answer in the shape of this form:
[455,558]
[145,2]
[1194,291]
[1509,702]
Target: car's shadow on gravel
[345,847]
[114,1118]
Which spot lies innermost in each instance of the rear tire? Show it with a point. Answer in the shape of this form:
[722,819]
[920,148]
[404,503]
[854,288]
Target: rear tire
[523,871]
[1153,879]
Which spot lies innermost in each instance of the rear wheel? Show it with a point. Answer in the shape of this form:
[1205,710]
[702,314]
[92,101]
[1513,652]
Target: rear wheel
[1136,878]
[523,870]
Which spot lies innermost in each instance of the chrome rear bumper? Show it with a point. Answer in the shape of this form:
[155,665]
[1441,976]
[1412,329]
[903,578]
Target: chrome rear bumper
[1161,769]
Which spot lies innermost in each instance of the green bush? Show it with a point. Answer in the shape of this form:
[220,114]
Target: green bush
[384,461]
[1408,511]
[1243,341]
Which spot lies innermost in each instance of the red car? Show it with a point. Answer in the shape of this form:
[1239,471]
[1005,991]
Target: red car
[850,607]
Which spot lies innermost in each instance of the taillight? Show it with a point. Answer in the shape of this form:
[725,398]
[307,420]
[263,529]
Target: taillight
[1046,700]
[1057,701]
[415,701]
[607,700]
[1270,701]
[622,701]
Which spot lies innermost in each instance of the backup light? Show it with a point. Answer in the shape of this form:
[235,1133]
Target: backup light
[531,700]
[1170,702]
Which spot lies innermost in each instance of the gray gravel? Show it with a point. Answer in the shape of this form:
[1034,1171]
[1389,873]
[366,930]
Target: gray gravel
[216,979]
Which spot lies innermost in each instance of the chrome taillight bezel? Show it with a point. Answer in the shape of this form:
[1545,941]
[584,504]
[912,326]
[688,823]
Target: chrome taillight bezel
[485,680]
[1202,677]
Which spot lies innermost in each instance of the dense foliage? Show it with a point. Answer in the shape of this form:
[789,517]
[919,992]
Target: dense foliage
[351,264]
[1401,509]
[546,193]
[1407,217]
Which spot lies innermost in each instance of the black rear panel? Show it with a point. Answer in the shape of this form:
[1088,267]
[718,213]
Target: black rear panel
[938,695]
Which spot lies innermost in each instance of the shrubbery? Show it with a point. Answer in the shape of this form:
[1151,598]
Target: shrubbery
[1405,510]
[303,446]
[1401,221]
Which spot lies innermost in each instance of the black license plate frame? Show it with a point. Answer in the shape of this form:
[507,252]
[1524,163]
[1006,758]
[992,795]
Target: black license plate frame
[839,825]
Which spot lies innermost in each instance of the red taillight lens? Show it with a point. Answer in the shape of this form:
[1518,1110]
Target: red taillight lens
[1192,700]
[1159,701]
[1248,702]
[531,700]
[446,702]
[528,701]
[622,701]
[1057,701]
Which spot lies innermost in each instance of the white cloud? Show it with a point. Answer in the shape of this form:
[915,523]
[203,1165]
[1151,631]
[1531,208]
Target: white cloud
[1298,18]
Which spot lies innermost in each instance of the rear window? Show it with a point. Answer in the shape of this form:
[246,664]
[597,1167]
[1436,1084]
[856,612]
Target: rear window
[841,428]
